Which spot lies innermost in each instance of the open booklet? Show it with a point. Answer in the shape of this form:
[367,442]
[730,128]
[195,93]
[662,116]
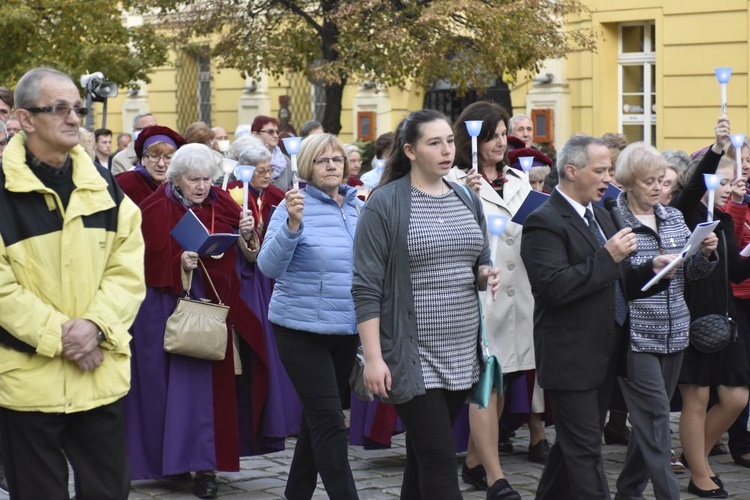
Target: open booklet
[193,236]
[700,233]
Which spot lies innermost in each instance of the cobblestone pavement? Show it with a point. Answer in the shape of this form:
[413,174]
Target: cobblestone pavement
[378,474]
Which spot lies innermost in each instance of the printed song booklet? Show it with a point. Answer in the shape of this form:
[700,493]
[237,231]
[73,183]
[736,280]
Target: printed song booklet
[193,236]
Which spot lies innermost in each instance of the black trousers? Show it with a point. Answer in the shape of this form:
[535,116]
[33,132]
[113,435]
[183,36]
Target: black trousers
[574,470]
[35,446]
[430,471]
[319,367]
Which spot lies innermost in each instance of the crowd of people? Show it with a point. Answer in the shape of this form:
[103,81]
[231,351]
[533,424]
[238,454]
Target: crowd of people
[400,260]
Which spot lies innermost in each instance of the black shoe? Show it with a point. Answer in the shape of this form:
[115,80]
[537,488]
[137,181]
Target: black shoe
[715,493]
[476,476]
[684,461]
[205,485]
[504,444]
[717,480]
[616,436]
[744,462]
[539,453]
[718,449]
[502,490]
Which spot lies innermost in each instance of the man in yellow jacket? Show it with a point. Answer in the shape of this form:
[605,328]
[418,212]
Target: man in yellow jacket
[71,283]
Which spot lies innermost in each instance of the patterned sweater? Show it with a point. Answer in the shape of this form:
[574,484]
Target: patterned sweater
[660,323]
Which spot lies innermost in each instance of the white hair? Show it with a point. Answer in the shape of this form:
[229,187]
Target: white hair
[194,157]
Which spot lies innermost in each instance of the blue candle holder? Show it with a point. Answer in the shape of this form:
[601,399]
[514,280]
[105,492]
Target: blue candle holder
[291,144]
[496,224]
[474,127]
[245,172]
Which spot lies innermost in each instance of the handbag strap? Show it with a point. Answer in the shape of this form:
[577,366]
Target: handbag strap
[726,269]
[208,277]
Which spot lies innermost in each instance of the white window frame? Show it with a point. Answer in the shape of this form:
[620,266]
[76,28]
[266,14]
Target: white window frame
[646,59]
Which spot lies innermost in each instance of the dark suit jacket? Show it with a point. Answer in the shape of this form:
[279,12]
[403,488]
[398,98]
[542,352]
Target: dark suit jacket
[572,279]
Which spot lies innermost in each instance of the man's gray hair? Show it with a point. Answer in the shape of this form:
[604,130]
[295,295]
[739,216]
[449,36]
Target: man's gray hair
[138,117]
[28,87]
[576,152]
[513,120]
[193,157]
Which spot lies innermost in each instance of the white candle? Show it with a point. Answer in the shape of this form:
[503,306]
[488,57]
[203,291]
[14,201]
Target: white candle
[711,195]
[495,240]
[723,99]
[295,174]
[474,159]
[245,196]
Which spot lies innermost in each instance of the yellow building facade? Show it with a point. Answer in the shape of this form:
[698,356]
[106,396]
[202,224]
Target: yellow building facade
[652,78]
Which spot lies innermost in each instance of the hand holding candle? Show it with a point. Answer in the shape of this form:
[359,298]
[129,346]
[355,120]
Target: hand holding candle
[496,226]
[712,183]
[292,144]
[245,173]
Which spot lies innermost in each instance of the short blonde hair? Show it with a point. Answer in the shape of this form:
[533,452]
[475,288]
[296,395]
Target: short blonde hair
[311,147]
[635,160]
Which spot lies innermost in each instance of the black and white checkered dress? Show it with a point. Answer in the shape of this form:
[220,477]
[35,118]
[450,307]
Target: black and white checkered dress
[444,243]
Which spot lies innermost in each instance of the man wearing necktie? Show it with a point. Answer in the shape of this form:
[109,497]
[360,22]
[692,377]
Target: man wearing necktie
[581,280]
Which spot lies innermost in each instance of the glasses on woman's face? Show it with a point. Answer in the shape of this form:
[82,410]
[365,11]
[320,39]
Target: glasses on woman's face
[263,172]
[167,159]
[324,160]
[270,131]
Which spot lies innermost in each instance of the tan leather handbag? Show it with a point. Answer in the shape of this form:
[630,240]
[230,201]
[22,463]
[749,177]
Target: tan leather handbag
[198,328]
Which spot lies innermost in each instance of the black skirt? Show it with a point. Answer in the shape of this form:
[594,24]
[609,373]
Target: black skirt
[728,367]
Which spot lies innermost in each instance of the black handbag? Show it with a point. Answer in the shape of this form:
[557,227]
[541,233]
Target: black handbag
[712,333]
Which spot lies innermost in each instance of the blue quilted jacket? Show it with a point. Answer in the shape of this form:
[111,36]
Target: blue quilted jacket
[313,267]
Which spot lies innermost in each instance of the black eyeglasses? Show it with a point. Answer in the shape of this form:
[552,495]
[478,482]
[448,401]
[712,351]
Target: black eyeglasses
[4,142]
[60,111]
[270,131]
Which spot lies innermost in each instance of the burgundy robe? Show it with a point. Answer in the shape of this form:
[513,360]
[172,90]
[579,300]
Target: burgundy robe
[186,414]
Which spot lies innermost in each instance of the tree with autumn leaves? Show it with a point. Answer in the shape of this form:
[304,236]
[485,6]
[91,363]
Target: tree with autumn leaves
[76,37]
[391,42]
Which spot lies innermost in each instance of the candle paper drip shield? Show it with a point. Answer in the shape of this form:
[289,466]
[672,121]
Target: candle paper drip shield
[227,166]
[379,165]
[526,162]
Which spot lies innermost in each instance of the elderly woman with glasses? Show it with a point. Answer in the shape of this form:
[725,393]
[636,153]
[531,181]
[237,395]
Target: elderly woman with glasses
[308,250]
[266,128]
[250,150]
[187,414]
[154,148]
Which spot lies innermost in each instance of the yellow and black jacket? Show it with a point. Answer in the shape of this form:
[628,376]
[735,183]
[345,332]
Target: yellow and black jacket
[84,261]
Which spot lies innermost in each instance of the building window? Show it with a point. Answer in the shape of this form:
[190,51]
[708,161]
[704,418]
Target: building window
[318,102]
[204,88]
[637,81]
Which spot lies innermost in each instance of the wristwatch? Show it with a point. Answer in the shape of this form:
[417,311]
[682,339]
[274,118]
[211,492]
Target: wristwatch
[100,337]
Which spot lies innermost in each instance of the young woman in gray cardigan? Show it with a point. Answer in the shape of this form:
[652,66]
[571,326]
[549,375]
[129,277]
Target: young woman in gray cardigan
[420,254]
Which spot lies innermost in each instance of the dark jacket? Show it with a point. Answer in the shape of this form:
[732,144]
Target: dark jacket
[572,279]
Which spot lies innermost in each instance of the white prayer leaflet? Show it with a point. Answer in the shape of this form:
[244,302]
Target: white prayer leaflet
[701,232]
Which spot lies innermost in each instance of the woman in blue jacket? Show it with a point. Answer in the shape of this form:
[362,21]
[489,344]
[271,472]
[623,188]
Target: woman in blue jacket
[308,251]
